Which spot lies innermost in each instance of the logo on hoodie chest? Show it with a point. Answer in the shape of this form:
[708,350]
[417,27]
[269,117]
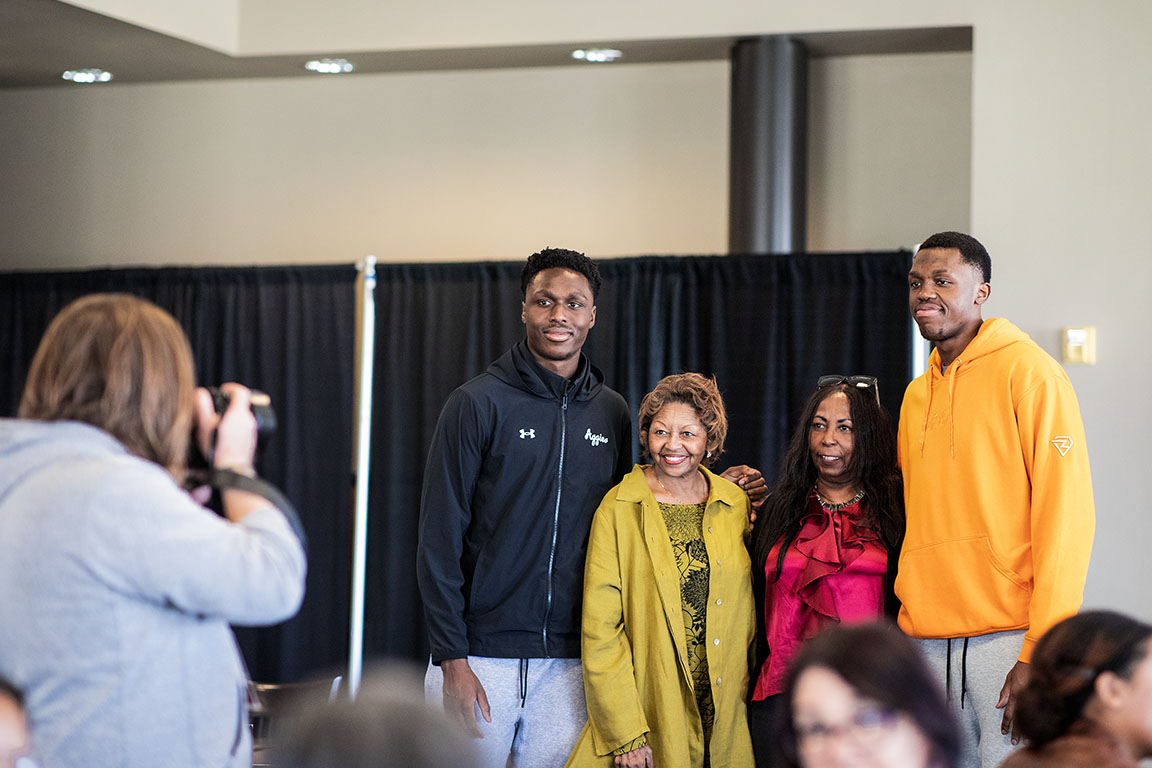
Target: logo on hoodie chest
[595,439]
[938,419]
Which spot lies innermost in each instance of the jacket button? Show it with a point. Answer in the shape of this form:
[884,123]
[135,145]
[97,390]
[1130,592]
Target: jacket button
[709,529]
[719,601]
[719,680]
[716,641]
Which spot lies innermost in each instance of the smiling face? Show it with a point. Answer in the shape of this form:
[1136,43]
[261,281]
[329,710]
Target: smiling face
[831,441]
[557,313]
[945,294]
[677,440]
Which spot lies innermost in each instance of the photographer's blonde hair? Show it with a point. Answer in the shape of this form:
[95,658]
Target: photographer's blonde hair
[122,364]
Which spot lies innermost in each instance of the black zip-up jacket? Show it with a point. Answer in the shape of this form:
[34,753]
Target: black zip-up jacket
[519,462]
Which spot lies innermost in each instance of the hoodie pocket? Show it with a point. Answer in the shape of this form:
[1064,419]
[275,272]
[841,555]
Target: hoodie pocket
[959,588]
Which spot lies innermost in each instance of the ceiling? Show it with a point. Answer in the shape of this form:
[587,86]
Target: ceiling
[39,39]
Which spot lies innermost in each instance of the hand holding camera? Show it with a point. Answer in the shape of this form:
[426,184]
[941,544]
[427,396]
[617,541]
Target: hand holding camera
[227,437]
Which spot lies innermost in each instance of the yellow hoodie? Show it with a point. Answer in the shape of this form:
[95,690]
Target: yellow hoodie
[997,492]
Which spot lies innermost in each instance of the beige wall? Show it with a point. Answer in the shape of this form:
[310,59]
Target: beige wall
[631,160]
[1061,194]
[288,26]
[884,133]
[484,165]
[481,165]
[211,23]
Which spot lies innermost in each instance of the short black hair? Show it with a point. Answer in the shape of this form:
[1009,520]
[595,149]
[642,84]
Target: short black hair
[551,258]
[971,251]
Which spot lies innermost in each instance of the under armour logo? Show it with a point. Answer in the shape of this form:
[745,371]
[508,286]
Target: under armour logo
[594,439]
[527,433]
[1063,444]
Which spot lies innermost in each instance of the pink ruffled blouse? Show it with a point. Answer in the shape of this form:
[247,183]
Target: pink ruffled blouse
[833,572]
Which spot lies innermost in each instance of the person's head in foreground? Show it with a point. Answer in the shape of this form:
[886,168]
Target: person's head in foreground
[1089,693]
[388,724]
[861,695]
[122,364]
[15,742]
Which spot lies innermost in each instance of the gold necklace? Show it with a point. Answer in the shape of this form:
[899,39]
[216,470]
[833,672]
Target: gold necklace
[836,506]
[675,498]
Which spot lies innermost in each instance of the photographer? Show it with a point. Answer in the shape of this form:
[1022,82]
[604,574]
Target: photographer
[118,588]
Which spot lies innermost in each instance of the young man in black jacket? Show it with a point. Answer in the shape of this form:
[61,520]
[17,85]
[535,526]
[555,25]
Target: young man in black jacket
[521,457]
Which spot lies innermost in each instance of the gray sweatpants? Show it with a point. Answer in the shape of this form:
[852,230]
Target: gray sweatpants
[537,708]
[973,673]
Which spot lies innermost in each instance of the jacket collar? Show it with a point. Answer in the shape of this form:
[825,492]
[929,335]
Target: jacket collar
[634,488]
[518,368]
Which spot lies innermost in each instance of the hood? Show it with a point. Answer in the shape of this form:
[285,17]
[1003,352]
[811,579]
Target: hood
[518,368]
[27,447]
[995,334]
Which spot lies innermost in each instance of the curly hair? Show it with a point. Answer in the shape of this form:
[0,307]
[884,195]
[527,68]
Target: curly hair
[1065,664]
[551,258]
[702,395]
[873,468]
[122,364]
[971,250]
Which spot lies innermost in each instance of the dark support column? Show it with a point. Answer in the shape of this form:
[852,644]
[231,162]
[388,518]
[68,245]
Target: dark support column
[767,189]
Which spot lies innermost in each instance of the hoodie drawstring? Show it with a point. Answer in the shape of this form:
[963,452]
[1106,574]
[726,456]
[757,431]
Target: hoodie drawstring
[950,375]
[927,407]
[952,421]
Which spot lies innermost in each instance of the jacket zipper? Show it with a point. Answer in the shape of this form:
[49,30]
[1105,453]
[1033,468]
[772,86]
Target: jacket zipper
[556,517]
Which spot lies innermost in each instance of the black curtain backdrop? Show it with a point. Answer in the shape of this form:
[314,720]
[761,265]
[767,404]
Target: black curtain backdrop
[289,331]
[766,326]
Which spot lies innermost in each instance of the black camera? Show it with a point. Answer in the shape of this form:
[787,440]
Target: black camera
[259,402]
[261,406]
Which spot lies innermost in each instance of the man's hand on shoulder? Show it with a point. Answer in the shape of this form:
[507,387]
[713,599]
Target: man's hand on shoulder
[462,691]
[751,480]
[1014,683]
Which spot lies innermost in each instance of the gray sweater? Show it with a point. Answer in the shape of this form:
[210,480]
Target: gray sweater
[116,592]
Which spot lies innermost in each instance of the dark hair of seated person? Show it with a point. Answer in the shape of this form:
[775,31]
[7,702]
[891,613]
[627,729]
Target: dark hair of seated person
[1066,665]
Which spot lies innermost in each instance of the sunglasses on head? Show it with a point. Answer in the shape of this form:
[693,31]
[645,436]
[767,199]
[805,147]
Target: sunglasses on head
[861,382]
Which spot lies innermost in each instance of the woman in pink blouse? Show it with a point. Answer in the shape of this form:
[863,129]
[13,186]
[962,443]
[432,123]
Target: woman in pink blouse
[828,537]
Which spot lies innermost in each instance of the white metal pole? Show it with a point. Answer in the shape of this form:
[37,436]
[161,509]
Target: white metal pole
[366,331]
[921,347]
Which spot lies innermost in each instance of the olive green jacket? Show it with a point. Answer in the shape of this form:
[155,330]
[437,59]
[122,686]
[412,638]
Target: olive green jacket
[636,674]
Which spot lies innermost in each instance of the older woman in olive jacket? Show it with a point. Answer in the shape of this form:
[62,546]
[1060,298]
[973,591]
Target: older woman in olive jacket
[638,677]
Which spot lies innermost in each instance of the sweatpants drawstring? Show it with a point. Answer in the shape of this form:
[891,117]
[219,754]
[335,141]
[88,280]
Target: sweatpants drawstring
[963,673]
[948,672]
[523,682]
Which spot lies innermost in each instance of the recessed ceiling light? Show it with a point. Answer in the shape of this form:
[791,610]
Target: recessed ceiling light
[329,66]
[597,55]
[87,75]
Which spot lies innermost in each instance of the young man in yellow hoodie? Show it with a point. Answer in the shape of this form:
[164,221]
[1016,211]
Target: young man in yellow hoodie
[997,492]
